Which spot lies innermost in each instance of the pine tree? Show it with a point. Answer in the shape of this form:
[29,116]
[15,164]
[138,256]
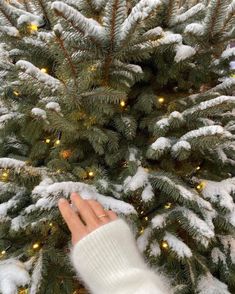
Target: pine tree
[129,103]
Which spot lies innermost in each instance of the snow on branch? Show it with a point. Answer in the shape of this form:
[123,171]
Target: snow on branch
[10,204]
[86,26]
[6,117]
[183,52]
[29,18]
[139,12]
[13,274]
[228,243]
[226,87]
[160,147]
[170,38]
[140,179]
[38,112]
[11,163]
[143,239]
[159,221]
[208,284]
[181,150]
[200,229]
[204,105]
[203,132]
[192,12]
[10,31]
[228,53]
[173,189]
[178,246]
[31,70]
[48,193]
[220,193]
[36,275]
[196,29]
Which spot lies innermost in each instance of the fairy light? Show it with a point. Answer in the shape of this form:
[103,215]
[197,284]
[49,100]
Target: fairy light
[201,186]
[122,103]
[161,100]
[16,93]
[36,245]
[146,218]
[51,224]
[57,142]
[44,70]
[33,27]
[92,68]
[164,245]
[23,291]
[5,175]
[91,174]
[142,230]
[198,168]
[48,140]
[3,252]
[167,205]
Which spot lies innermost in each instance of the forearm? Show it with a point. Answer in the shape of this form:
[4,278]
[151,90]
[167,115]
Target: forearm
[108,261]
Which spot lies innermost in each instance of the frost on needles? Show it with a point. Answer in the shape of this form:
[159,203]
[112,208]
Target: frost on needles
[130,103]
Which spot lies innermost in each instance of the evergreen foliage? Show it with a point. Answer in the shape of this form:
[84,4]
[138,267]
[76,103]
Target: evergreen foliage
[129,103]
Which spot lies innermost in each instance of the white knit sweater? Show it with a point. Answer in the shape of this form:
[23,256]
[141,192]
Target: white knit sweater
[107,261]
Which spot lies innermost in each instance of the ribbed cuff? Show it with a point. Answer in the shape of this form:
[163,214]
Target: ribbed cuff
[105,255]
[108,261]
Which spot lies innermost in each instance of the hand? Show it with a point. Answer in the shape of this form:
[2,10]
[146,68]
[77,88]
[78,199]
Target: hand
[87,220]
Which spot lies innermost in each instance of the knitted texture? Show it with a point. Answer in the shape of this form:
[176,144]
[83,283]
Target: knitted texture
[107,260]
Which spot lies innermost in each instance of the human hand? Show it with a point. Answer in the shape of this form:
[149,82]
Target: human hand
[87,220]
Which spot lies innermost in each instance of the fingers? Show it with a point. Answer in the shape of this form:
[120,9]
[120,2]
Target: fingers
[75,225]
[99,210]
[85,211]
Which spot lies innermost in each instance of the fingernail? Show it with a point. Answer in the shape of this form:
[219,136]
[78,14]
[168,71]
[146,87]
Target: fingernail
[62,200]
[75,194]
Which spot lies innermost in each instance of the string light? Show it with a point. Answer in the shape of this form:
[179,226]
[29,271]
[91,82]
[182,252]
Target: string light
[33,27]
[23,291]
[161,100]
[36,245]
[57,142]
[16,93]
[3,252]
[164,245]
[48,140]
[167,205]
[92,68]
[198,168]
[5,175]
[142,230]
[51,224]
[201,186]
[91,174]
[122,103]
[44,70]
[146,218]
[141,212]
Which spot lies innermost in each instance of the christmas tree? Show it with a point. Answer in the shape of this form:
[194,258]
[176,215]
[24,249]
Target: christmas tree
[129,103]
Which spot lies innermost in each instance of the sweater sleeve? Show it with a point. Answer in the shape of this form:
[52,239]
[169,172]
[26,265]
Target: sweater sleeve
[108,261]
